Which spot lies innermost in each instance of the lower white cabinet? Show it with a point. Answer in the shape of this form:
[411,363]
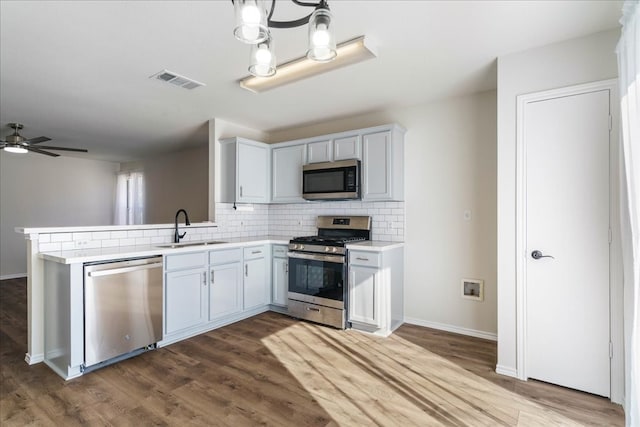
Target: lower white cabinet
[280,276]
[364,298]
[186,299]
[225,291]
[256,281]
[376,297]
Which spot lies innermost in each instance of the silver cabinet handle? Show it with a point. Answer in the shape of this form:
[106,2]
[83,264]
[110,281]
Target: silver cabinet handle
[246,270]
[362,259]
[212,276]
[204,278]
[286,267]
[241,191]
[256,252]
[538,254]
[313,309]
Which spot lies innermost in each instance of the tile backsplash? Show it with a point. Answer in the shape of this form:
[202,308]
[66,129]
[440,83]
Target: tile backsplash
[287,220]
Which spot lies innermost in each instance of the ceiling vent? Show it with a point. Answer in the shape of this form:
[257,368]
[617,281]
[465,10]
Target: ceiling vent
[177,79]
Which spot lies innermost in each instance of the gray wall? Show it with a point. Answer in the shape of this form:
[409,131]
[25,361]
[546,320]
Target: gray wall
[41,191]
[173,181]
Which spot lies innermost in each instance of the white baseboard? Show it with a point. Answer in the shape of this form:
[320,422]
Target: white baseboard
[32,359]
[503,370]
[451,328]
[13,276]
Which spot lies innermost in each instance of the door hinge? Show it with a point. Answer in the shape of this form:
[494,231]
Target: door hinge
[610,350]
[610,236]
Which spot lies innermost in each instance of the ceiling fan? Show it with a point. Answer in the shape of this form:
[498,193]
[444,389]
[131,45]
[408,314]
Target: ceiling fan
[16,143]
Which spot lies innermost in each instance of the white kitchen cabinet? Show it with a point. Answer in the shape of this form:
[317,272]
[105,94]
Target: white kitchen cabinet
[280,276]
[364,296]
[287,173]
[346,147]
[186,299]
[245,171]
[257,284]
[383,165]
[376,297]
[225,289]
[320,151]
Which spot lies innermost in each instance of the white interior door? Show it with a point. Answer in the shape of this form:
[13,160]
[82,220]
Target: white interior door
[566,141]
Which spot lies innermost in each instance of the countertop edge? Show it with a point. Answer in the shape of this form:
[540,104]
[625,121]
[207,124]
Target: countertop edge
[109,254]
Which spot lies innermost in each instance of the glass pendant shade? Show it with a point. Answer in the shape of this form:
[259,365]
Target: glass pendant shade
[322,45]
[251,21]
[263,59]
[15,149]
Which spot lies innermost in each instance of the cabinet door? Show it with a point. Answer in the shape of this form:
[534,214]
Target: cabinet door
[346,148]
[256,283]
[320,151]
[185,299]
[225,290]
[364,299]
[280,281]
[287,173]
[253,177]
[376,166]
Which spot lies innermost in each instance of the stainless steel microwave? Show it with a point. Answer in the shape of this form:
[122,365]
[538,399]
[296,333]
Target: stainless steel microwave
[331,180]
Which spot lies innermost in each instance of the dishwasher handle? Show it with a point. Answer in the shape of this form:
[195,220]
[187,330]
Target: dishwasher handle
[99,273]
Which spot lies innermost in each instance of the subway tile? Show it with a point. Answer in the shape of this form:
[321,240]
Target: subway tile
[49,247]
[44,238]
[118,234]
[127,242]
[134,233]
[61,237]
[81,236]
[109,243]
[101,235]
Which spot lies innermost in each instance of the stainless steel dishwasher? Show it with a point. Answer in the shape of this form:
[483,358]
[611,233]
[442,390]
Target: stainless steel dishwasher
[122,309]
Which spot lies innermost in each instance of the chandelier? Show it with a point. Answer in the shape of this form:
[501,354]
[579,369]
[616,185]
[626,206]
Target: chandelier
[253,21]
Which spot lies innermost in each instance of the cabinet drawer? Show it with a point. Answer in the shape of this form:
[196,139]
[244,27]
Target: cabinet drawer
[180,261]
[369,259]
[225,256]
[255,252]
[280,251]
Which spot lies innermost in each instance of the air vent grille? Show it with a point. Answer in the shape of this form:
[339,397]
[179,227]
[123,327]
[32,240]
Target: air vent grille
[177,79]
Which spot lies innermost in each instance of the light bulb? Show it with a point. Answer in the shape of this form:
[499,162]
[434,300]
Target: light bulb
[250,32]
[263,56]
[250,14]
[321,36]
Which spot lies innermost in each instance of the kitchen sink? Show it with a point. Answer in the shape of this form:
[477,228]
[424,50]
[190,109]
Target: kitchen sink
[187,244]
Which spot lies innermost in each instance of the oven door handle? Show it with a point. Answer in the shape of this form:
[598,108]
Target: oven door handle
[339,259]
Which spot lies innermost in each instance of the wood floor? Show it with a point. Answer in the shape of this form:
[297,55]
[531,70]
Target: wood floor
[273,370]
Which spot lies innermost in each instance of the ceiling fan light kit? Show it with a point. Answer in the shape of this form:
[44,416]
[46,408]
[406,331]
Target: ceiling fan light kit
[18,144]
[253,21]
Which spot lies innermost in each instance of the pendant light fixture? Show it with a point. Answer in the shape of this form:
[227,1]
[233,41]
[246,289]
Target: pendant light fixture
[252,26]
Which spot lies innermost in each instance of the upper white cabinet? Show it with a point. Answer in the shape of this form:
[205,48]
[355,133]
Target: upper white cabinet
[287,174]
[346,147]
[337,147]
[320,151]
[383,165]
[245,171]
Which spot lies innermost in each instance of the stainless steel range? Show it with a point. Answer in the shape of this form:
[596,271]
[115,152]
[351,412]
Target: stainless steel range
[318,269]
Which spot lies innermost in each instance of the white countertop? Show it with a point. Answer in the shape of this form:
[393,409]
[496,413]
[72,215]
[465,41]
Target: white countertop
[90,228]
[122,252]
[374,246]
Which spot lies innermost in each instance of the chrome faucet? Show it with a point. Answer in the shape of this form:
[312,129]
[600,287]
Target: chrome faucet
[177,236]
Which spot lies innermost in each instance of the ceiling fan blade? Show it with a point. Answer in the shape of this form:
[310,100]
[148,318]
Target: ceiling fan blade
[36,150]
[48,147]
[37,140]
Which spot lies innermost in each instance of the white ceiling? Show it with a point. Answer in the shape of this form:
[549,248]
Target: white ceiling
[78,72]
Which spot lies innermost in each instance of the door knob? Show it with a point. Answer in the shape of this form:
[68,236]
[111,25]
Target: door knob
[538,254]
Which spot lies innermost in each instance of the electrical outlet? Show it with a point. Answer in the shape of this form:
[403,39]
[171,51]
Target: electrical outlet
[81,243]
[389,224]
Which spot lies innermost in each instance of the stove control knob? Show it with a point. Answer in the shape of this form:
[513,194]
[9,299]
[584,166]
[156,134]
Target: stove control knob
[327,249]
[300,247]
[334,249]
